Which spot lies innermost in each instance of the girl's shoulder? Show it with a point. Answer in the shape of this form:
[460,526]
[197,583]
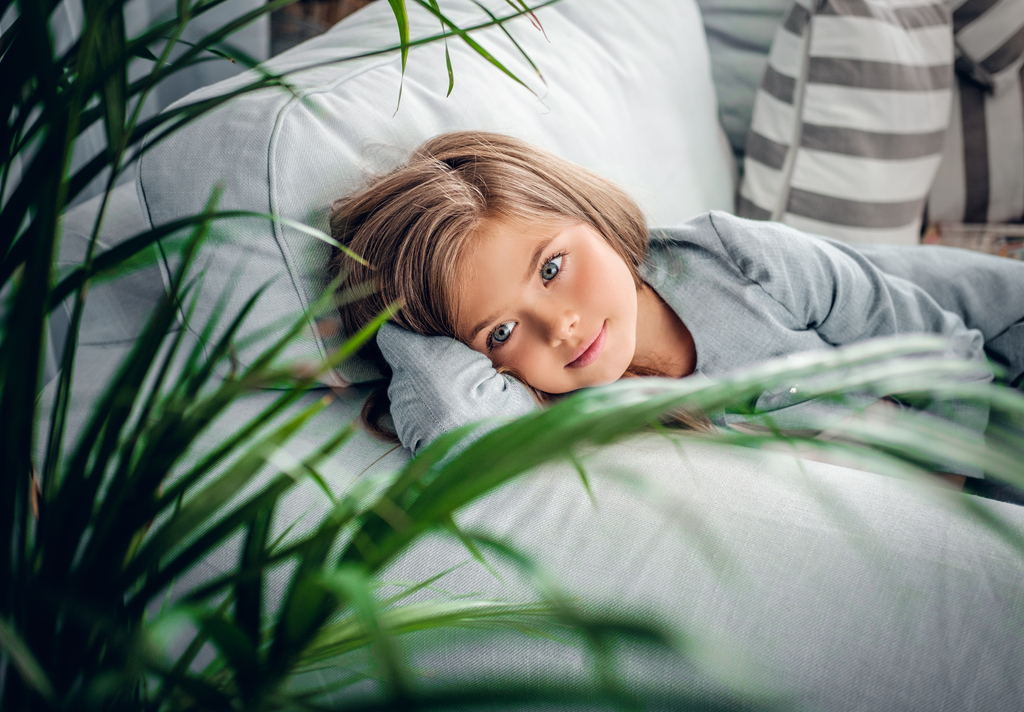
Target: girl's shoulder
[694,247]
[723,232]
[749,245]
[697,230]
[718,245]
[722,236]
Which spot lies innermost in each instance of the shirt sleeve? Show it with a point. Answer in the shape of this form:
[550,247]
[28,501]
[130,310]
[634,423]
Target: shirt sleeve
[439,384]
[829,287]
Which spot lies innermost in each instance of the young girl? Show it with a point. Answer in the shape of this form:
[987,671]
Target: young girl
[514,266]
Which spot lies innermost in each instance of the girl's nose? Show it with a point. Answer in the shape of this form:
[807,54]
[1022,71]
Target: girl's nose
[560,325]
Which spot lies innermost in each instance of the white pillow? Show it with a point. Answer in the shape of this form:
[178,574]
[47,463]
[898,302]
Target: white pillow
[849,121]
[628,94]
[981,178]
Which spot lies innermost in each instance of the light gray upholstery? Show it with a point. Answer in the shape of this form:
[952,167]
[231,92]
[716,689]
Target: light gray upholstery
[831,588]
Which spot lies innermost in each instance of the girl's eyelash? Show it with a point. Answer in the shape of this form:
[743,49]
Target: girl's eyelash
[490,340]
[489,344]
[544,263]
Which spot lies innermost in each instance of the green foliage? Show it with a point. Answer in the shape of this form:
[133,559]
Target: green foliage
[95,534]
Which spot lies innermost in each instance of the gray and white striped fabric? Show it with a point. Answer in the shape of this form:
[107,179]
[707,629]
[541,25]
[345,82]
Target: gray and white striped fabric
[981,178]
[850,118]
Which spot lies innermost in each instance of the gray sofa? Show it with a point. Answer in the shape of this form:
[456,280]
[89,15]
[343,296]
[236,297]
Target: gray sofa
[826,587]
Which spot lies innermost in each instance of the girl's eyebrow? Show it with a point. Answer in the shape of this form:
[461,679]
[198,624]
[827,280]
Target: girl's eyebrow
[483,322]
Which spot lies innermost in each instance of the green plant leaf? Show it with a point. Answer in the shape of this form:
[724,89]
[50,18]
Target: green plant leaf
[25,663]
[352,632]
[512,39]
[249,592]
[476,45]
[352,584]
[447,54]
[142,52]
[467,542]
[578,466]
[233,642]
[111,47]
[420,585]
[522,6]
[197,510]
[402,18]
[179,671]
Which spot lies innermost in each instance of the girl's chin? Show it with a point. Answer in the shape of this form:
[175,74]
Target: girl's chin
[602,379]
[606,381]
[562,388]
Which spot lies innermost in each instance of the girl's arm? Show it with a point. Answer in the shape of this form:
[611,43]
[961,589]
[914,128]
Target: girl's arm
[985,290]
[439,384]
[832,288]
[829,286]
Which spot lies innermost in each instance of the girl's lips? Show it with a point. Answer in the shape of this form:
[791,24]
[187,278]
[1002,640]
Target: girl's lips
[590,351]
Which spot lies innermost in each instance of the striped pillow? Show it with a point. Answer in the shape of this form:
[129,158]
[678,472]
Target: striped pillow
[981,178]
[850,118]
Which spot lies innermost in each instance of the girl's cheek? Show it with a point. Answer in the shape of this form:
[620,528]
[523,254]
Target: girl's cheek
[520,356]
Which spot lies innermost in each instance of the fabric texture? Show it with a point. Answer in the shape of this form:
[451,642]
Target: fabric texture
[473,390]
[636,74]
[850,118]
[829,588]
[750,291]
[981,177]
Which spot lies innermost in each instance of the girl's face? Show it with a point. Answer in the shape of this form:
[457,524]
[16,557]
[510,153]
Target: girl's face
[554,302]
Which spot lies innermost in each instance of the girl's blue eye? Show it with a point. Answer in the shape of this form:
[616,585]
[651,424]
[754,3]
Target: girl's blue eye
[551,268]
[503,331]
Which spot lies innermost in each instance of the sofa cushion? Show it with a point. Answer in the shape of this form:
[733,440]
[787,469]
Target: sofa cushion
[826,588]
[849,121]
[981,178]
[117,309]
[627,91]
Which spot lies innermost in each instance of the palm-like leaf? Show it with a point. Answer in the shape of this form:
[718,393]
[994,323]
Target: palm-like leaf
[92,543]
[123,513]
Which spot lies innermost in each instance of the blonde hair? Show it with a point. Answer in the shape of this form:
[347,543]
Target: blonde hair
[412,226]
[413,223]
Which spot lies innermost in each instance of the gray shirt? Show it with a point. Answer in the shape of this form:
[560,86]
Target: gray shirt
[749,291]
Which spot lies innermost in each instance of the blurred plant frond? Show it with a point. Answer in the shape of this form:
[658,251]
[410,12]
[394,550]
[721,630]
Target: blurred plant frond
[118,512]
[100,525]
